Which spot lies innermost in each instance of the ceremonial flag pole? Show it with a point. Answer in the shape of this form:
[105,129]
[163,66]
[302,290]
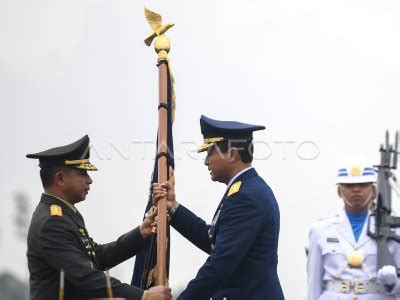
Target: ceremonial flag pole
[162,168]
[149,271]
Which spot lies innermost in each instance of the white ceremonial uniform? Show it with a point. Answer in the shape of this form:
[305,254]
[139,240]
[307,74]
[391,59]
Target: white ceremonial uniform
[329,274]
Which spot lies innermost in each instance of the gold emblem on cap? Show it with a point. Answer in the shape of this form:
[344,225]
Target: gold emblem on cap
[355,259]
[355,171]
[213,140]
[209,142]
[76,162]
[55,210]
[87,167]
[83,164]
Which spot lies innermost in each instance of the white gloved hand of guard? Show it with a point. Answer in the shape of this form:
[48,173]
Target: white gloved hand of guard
[387,275]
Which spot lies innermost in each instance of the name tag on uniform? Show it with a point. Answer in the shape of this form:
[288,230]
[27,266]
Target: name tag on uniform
[332,240]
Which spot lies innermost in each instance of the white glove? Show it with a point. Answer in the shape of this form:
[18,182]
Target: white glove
[387,275]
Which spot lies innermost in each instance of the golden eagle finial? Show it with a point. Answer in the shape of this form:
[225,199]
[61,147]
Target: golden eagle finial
[155,21]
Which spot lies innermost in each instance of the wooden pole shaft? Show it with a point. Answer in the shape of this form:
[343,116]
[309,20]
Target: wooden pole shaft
[162,176]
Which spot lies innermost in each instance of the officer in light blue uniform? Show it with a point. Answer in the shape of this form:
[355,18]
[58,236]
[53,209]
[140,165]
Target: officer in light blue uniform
[242,239]
[342,258]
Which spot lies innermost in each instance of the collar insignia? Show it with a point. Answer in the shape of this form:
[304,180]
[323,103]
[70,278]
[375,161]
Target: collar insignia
[234,188]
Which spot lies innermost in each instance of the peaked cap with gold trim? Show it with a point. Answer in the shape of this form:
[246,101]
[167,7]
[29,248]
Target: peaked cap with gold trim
[75,155]
[216,131]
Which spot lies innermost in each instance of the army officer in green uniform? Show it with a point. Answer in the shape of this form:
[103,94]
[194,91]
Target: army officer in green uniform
[58,238]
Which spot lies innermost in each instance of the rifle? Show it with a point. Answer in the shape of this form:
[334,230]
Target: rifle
[385,224]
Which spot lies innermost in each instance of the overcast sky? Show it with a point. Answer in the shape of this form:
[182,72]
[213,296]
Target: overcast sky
[322,76]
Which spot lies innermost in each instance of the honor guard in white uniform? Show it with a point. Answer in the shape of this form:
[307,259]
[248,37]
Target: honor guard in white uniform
[342,258]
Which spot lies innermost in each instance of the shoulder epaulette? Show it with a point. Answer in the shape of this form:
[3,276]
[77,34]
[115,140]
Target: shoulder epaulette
[55,211]
[234,188]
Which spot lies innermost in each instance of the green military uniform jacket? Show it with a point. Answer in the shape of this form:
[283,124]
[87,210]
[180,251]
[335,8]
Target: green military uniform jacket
[58,239]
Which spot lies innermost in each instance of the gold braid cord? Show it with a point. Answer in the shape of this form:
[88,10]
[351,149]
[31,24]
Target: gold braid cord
[152,276]
[151,210]
[151,279]
[171,179]
[172,85]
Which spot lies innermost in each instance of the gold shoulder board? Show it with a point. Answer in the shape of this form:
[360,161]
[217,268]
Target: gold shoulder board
[234,188]
[55,210]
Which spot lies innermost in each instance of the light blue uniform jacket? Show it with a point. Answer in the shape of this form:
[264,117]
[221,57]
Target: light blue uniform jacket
[331,241]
